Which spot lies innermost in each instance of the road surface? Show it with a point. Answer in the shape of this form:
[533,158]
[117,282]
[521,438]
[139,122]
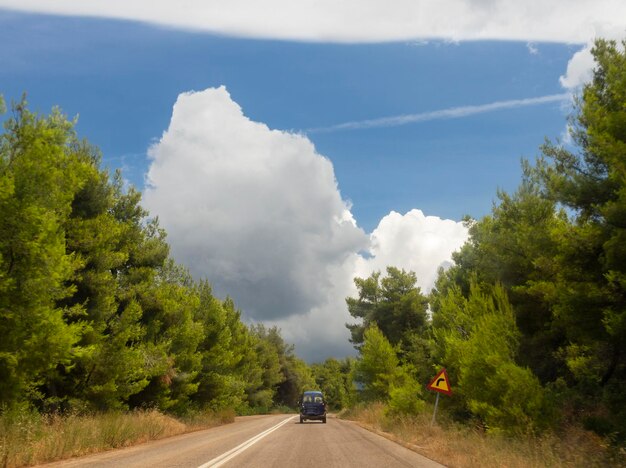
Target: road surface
[263,441]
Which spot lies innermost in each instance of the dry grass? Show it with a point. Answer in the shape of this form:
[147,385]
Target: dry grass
[456,445]
[27,438]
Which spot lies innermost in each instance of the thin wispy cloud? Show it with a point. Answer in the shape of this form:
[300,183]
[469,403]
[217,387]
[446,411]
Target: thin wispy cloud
[442,114]
[532,48]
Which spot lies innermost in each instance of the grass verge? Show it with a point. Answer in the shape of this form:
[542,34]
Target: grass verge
[457,445]
[28,438]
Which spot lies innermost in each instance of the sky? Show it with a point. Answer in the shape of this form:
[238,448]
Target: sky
[288,147]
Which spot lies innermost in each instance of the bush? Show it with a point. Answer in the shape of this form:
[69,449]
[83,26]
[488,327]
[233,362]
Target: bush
[405,396]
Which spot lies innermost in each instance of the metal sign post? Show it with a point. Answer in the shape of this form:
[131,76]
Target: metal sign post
[432,423]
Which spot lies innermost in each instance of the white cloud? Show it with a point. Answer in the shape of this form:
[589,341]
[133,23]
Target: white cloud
[532,48]
[255,210]
[258,213]
[362,20]
[580,66]
[321,332]
[414,242]
[579,69]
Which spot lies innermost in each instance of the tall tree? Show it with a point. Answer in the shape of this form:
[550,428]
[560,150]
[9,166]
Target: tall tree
[171,334]
[477,341]
[394,303]
[121,254]
[378,365]
[295,374]
[230,369]
[39,177]
[270,362]
[334,379]
[591,293]
[517,246]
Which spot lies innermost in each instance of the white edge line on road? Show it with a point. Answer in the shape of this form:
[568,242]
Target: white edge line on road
[225,457]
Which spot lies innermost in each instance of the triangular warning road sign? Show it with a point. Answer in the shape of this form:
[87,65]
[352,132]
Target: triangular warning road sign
[440,383]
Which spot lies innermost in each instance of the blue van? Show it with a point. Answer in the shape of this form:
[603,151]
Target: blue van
[312,406]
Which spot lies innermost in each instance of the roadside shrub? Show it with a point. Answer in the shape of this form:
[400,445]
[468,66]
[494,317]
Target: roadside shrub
[405,396]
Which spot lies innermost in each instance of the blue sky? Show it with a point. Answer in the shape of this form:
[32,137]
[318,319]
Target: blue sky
[124,76]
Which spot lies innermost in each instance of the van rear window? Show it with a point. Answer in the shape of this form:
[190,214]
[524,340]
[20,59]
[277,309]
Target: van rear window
[312,398]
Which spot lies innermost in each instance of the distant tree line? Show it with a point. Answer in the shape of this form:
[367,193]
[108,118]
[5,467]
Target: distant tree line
[94,314]
[530,321]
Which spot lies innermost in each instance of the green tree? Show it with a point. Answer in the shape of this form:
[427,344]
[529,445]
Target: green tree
[121,255]
[333,378]
[477,341]
[591,284]
[377,367]
[40,174]
[405,392]
[248,371]
[270,362]
[231,373]
[517,246]
[293,373]
[394,303]
[171,334]
[298,377]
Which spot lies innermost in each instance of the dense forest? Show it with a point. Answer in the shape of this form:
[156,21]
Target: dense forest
[530,320]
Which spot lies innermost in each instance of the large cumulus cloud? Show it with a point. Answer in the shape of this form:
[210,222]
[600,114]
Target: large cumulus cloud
[258,213]
[255,210]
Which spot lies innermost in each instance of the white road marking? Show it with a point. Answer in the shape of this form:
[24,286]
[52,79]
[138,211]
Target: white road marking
[225,457]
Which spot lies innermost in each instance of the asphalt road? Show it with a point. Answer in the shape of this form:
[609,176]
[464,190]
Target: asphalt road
[264,441]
